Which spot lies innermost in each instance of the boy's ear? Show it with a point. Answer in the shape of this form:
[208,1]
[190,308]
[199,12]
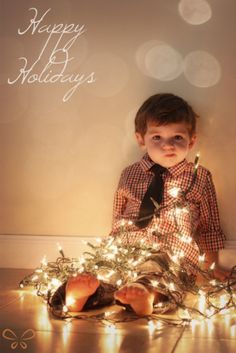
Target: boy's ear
[140,139]
[192,141]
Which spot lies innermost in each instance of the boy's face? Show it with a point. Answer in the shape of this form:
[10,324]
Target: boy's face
[166,145]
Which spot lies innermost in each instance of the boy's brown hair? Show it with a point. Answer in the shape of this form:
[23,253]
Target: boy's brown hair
[163,109]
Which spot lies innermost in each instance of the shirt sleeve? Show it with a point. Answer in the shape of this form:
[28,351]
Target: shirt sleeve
[119,206]
[210,234]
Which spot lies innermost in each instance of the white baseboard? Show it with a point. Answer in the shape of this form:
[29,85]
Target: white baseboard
[26,251]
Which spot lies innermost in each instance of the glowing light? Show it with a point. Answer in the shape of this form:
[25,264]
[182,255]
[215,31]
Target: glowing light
[210,326]
[122,222]
[196,162]
[151,326]
[59,247]
[174,191]
[70,301]
[55,282]
[202,258]
[110,329]
[181,254]
[109,313]
[172,286]
[110,256]
[233,331]
[195,12]
[202,301]
[210,312]
[186,314]
[39,270]
[163,62]
[193,325]
[180,210]
[213,265]
[201,69]
[175,258]
[60,250]
[44,261]
[110,273]
[186,239]
[65,309]
[154,283]
[119,282]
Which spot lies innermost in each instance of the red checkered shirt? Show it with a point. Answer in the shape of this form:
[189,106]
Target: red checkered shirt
[198,217]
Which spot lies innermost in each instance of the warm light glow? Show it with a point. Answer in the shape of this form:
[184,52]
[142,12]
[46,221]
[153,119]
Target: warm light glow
[59,247]
[193,325]
[210,312]
[233,331]
[213,265]
[202,301]
[44,261]
[202,258]
[43,319]
[70,301]
[110,329]
[172,286]
[186,239]
[122,222]
[196,162]
[151,327]
[65,309]
[210,326]
[154,283]
[55,282]
[174,191]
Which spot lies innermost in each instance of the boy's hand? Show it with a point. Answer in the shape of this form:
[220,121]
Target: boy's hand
[221,274]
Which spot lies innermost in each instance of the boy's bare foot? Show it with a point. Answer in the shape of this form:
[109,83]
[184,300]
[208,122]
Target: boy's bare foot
[138,297]
[79,289]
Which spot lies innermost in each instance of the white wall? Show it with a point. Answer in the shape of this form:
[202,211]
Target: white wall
[60,161]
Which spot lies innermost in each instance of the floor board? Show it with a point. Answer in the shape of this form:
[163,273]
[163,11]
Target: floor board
[21,310]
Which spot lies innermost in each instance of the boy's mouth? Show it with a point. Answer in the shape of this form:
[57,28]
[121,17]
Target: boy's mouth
[170,155]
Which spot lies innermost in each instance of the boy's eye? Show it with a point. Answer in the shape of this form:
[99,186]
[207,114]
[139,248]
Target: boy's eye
[178,137]
[156,137]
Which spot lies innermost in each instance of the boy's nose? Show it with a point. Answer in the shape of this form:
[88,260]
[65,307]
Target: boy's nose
[168,144]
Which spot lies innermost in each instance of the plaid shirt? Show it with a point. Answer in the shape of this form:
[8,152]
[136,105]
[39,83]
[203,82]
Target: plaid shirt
[199,218]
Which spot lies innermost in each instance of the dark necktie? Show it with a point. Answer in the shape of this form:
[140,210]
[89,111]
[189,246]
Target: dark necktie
[154,191]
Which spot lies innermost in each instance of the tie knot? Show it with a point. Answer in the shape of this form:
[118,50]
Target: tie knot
[158,169]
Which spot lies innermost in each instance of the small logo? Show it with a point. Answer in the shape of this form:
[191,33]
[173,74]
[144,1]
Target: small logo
[11,336]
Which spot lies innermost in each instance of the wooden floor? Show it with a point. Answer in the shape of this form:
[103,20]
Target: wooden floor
[26,326]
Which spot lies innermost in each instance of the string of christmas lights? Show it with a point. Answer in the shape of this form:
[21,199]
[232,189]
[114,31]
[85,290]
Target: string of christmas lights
[113,263]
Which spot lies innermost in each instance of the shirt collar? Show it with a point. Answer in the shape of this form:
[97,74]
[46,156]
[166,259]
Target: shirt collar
[178,168]
[146,164]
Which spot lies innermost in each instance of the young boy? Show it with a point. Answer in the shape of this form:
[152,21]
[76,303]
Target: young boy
[165,126]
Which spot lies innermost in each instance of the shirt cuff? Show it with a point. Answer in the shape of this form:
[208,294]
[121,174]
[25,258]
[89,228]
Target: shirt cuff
[211,241]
